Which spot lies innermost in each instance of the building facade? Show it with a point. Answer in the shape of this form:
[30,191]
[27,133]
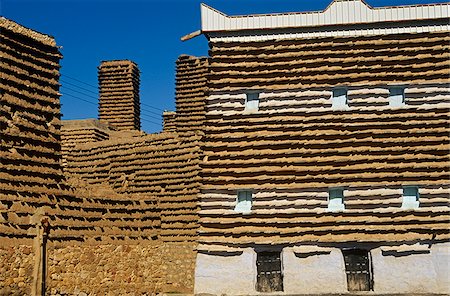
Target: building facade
[326,146]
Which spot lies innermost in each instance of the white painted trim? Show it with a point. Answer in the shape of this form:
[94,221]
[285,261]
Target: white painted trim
[353,18]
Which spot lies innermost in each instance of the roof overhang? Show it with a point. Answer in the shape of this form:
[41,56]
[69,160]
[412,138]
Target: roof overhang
[340,18]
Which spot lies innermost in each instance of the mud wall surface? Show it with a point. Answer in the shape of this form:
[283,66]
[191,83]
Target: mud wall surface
[119,102]
[165,166]
[155,182]
[191,92]
[81,131]
[96,233]
[295,146]
[169,121]
[30,174]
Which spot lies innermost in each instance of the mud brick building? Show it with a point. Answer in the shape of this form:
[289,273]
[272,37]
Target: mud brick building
[326,150]
[308,154]
[121,218]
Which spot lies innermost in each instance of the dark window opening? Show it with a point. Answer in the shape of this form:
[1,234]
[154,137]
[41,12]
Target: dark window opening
[269,275]
[358,270]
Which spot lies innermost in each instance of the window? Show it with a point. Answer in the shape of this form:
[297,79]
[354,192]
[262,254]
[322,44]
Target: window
[269,275]
[396,96]
[358,269]
[252,101]
[244,201]
[336,199]
[410,197]
[339,99]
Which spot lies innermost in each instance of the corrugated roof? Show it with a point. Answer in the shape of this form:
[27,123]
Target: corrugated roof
[339,14]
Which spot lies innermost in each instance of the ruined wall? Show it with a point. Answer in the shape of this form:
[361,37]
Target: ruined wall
[164,166]
[98,239]
[295,146]
[119,103]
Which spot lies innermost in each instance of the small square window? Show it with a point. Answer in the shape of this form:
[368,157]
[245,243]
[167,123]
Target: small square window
[336,199]
[339,99]
[244,201]
[396,96]
[252,101]
[410,198]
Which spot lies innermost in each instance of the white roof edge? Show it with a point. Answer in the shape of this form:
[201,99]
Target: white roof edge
[339,12]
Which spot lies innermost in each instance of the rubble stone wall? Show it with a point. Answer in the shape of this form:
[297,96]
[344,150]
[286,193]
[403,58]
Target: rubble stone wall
[16,269]
[106,269]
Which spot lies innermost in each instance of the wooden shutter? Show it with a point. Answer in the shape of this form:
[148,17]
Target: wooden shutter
[269,275]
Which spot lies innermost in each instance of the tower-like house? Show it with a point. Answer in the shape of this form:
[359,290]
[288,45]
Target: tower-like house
[119,103]
[326,144]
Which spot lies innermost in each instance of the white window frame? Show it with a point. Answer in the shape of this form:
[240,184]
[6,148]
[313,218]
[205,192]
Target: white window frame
[339,98]
[245,205]
[396,96]
[252,100]
[410,197]
[336,204]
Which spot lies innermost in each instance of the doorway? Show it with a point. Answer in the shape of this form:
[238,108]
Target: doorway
[358,269]
[269,274]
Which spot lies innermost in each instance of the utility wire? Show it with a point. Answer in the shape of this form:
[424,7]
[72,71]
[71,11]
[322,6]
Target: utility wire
[146,120]
[94,92]
[149,116]
[95,98]
[81,99]
[89,96]
[150,106]
[78,98]
[94,86]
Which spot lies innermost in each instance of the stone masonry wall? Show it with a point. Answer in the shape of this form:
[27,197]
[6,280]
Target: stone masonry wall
[179,266]
[16,269]
[104,269]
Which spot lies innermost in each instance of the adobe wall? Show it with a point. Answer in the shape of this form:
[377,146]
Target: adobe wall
[119,103]
[155,180]
[123,222]
[295,146]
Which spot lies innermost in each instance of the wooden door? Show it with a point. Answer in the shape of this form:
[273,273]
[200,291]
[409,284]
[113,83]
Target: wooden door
[358,270]
[269,275]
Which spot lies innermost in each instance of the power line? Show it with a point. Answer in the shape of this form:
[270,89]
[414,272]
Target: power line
[149,116]
[78,98]
[94,92]
[80,81]
[150,121]
[80,92]
[81,99]
[150,106]
[90,96]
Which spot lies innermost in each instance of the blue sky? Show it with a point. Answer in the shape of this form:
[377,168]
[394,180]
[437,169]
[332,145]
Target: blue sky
[145,31]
